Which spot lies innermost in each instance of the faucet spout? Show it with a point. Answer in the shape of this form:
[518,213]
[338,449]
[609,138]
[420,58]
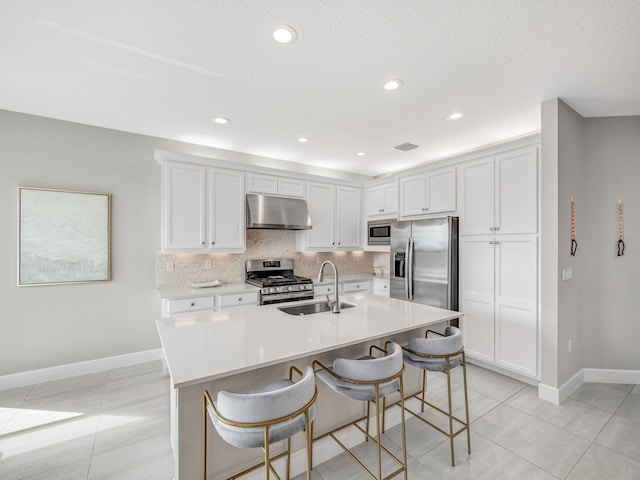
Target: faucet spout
[335,306]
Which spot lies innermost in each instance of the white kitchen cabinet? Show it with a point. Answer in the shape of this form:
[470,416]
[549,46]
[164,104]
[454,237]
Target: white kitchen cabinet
[428,193]
[349,287]
[498,296]
[319,290]
[382,200]
[381,286]
[184,305]
[335,216]
[500,194]
[272,185]
[236,300]
[202,209]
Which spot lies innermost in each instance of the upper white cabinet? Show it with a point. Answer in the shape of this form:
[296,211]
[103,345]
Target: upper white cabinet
[382,200]
[272,185]
[428,192]
[335,216]
[202,209]
[500,194]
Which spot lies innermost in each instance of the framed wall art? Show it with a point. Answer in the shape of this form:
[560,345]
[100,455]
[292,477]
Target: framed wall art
[64,236]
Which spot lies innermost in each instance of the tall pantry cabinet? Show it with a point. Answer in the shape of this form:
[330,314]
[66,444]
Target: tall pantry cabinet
[499,259]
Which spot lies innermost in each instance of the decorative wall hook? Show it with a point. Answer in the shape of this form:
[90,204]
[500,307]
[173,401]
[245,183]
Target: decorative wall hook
[574,243]
[620,228]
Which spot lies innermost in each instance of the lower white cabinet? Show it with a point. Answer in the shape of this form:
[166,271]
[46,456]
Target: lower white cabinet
[236,300]
[355,287]
[184,305]
[499,298]
[381,287]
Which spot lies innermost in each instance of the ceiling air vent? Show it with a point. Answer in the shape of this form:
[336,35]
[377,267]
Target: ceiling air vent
[405,147]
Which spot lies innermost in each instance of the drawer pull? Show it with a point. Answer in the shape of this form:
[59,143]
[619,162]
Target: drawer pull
[193,304]
[239,299]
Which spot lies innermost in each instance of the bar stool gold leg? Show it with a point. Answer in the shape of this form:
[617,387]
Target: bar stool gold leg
[466,401]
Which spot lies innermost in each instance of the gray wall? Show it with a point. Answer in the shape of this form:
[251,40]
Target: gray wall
[570,293]
[46,326]
[611,318]
[595,160]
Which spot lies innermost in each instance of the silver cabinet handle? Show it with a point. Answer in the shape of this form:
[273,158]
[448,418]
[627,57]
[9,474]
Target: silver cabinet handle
[491,229]
[193,304]
[497,228]
[497,242]
[491,242]
[425,209]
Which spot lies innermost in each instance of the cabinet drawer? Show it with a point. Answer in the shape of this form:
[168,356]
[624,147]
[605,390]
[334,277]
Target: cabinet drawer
[188,305]
[323,289]
[237,299]
[355,286]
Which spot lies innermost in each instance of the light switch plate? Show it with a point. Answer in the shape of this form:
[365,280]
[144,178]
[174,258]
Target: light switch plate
[567,274]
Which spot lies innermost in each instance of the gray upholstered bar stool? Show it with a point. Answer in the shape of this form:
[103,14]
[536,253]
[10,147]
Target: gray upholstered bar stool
[440,353]
[369,379]
[264,416]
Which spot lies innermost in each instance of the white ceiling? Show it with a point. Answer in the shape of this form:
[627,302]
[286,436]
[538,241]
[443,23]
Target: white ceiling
[164,68]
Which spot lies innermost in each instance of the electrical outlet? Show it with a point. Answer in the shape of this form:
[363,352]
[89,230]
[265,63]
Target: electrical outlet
[170,266]
[206,265]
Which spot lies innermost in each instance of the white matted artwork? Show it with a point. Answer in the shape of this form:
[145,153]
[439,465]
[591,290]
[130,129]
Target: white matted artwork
[64,236]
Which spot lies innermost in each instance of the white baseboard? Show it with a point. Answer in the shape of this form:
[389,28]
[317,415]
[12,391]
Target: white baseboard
[31,377]
[559,395]
[587,375]
[601,375]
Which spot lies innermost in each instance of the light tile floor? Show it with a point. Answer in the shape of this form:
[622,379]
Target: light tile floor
[115,425]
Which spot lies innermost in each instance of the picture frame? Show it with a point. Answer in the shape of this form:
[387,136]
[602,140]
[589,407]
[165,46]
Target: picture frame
[64,236]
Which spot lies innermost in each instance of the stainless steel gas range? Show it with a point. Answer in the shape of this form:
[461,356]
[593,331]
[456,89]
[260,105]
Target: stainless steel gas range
[277,282]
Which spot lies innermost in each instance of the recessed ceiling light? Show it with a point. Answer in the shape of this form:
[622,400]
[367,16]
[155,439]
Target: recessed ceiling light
[393,84]
[303,139]
[285,34]
[361,154]
[221,120]
[455,116]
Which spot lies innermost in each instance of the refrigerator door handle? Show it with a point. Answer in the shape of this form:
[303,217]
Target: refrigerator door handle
[410,269]
[407,269]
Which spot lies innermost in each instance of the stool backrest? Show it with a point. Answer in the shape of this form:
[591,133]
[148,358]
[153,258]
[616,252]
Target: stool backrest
[450,343]
[371,370]
[267,406]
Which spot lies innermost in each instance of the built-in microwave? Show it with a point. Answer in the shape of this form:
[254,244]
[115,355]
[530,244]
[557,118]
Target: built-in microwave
[379,232]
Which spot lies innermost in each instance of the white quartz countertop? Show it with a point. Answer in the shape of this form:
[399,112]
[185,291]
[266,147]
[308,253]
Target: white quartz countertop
[222,289]
[353,277]
[204,346]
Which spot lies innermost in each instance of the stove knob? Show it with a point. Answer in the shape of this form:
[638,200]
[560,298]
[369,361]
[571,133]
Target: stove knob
[273,290]
[290,288]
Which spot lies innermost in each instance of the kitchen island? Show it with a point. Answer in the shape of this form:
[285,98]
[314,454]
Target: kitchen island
[240,348]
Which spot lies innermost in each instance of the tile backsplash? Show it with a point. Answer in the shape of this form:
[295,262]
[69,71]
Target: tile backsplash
[229,267]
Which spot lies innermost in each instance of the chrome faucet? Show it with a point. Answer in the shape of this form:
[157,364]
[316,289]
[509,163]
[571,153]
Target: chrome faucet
[335,306]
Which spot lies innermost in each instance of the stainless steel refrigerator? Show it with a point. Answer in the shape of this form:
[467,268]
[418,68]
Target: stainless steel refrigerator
[424,261]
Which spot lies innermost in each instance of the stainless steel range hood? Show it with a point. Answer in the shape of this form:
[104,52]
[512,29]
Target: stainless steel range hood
[266,211]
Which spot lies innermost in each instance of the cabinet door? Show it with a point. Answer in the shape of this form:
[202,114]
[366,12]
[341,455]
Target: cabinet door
[183,206]
[477,197]
[322,207]
[390,198]
[477,296]
[226,210]
[441,190]
[413,195]
[517,192]
[349,221]
[290,187]
[516,298]
[262,184]
[375,202]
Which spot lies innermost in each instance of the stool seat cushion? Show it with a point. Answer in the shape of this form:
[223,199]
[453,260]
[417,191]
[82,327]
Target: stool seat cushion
[263,404]
[448,344]
[365,369]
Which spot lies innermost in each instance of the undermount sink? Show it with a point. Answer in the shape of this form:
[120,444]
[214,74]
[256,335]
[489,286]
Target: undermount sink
[311,308]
